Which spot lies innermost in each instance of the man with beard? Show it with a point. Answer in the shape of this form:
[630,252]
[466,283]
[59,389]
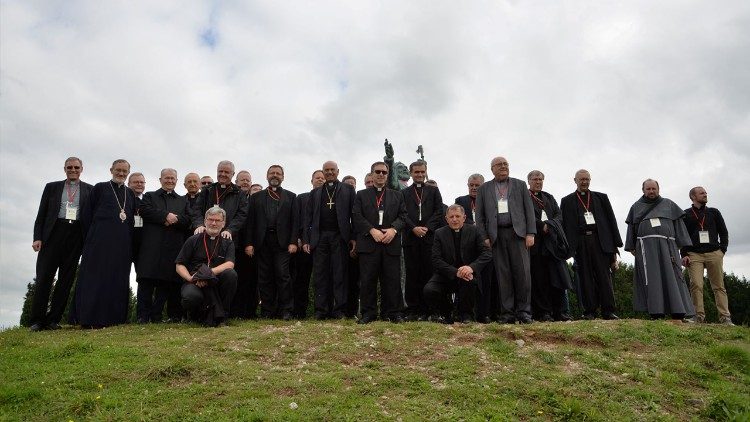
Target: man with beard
[424,211]
[206,264]
[710,239]
[549,270]
[192,185]
[328,237]
[655,231]
[505,218]
[303,262]
[58,237]
[458,255]
[272,234]
[591,230]
[165,220]
[378,215]
[245,301]
[103,287]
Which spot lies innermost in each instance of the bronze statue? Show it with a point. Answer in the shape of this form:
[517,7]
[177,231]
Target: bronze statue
[398,174]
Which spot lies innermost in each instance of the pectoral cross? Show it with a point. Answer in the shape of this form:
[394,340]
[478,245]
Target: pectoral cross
[330,204]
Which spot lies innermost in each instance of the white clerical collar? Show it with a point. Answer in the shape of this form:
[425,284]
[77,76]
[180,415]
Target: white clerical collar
[273,188]
[419,185]
[223,186]
[378,189]
[212,237]
[72,182]
[457,230]
[330,183]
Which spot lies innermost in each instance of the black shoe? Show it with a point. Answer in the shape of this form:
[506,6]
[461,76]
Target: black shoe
[422,317]
[36,327]
[506,320]
[142,321]
[53,326]
[466,319]
[338,315]
[365,320]
[589,316]
[287,316]
[546,318]
[321,317]
[397,319]
[563,317]
[410,318]
[484,320]
[610,316]
[525,320]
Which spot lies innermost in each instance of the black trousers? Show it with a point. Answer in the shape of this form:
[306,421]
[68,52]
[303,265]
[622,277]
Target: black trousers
[511,259]
[418,265]
[352,302]
[593,266]
[303,267]
[437,294]
[374,267]
[60,252]
[274,279]
[487,295]
[546,299]
[245,302]
[193,297]
[331,277]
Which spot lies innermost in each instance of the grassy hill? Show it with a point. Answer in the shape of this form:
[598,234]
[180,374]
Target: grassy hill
[268,370]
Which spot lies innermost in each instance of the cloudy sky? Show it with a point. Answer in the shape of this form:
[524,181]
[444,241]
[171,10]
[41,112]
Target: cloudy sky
[629,90]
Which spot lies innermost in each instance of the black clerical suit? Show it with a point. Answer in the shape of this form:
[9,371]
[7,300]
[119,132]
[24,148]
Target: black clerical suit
[379,261]
[245,302]
[137,232]
[424,208]
[230,198]
[160,245]
[328,230]
[271,229]
[451,250]
[62,242]
[303,262]
[210,304]
[507,233]
[595,246]
[547,293]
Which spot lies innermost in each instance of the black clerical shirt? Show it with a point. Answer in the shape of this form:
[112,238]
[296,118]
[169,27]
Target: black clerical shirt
[193,253]
[328,217]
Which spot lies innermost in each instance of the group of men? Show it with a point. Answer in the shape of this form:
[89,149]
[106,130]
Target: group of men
[227,248]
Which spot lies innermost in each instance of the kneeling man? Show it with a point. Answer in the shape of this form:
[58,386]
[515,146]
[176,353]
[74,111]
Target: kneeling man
[206,263]
[458,256]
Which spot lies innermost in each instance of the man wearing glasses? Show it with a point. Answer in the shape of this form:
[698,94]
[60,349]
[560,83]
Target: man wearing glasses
[58,237]
[378,215]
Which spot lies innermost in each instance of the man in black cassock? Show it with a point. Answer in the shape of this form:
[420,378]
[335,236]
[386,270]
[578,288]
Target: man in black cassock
[103,288]
[245,302]
[165,220]
[656,230]
[303,262]
[549,270]
[458,256]
[206,264]
[424,215]
[378,215]
[58,237]
[591,230]
[271,234]
[328,237]
[137,183]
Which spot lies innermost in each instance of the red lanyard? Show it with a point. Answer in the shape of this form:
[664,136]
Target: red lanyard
[72,196]
[218,198]
[419,198]
[273,194]
[205,246]
[379,200]
[537,200]
[588,201]
[702,220]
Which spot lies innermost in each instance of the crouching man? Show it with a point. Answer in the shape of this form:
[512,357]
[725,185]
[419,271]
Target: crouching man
[206,263]
[458,256]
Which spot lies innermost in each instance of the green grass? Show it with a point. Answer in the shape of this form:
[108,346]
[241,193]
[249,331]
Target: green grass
[585,370]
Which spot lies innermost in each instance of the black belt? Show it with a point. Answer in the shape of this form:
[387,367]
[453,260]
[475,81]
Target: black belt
[67,221]
[587,232]
[270,230]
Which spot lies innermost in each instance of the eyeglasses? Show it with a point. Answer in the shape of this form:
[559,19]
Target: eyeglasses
[73,168]
[215,220]
[205,183]
[380,171]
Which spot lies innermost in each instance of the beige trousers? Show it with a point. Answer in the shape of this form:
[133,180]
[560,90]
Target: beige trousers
[713,262]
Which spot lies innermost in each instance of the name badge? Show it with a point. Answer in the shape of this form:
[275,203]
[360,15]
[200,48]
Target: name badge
[589,217]
[502,206]
[655,222]
[71,212]
[703,236]
[137,221]
[380,217]
[544,216]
